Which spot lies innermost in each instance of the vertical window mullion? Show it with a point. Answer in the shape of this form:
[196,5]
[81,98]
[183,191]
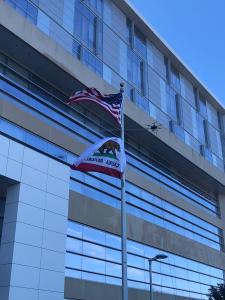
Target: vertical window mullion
[143,77]
[95,37]
[179,110]
[206,132]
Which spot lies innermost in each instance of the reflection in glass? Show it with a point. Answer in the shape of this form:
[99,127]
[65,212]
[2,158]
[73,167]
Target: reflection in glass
[177,275]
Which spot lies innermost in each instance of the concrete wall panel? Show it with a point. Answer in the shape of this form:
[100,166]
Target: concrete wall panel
[32,252]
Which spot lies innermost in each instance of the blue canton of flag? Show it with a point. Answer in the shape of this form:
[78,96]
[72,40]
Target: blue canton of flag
[112,102]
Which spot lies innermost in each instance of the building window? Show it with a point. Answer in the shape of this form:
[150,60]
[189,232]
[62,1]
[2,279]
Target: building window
[135,70]
[202,105]
[166,68]
[32,12]
[140,42]
[136,39]
[88,28]
[129,33]
[177,275]
[175,78]
[203,131]
[130,92]
[97,5]
[173,106]
[92,61]
[27,8]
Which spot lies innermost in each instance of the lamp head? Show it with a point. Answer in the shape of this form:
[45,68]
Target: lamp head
[161,256]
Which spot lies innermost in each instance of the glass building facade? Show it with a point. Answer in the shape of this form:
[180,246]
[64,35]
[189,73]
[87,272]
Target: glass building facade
[96,255]
[104,39]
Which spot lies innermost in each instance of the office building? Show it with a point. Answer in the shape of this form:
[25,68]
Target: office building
[60,229]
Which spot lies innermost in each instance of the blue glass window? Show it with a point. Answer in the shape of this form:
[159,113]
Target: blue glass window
[97,5]
[176,275]
[88,28]
[202,105]
[93,265]
[129,32]
[92,61]
[173,105]
[32,12]
[73,261]
[113,269]
[113,255]
[93,250]
[135,70]
[26,8]
[175,78]
[74,245]
[202,130]
[22,4]
[140,42]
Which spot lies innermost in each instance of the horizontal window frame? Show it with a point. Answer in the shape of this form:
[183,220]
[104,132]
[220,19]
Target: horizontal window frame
[135,254]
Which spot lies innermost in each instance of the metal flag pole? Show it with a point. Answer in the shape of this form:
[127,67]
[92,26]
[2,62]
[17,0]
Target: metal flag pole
[123,210]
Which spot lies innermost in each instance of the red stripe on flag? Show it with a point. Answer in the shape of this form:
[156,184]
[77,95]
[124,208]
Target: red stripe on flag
[116,116]
[85,167]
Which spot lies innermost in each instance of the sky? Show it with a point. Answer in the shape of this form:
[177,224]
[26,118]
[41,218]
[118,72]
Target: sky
[195,30]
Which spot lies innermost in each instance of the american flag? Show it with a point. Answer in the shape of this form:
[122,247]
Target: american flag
[112,103]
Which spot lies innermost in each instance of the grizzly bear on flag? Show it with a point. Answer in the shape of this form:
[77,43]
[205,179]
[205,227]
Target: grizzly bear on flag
[109,146]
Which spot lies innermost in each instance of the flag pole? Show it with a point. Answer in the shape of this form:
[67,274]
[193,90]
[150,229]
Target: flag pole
[123,210]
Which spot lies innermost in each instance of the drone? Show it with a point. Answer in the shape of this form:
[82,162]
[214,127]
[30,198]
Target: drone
[154,127]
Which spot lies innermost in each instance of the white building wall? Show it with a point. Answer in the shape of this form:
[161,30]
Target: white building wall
[32,253]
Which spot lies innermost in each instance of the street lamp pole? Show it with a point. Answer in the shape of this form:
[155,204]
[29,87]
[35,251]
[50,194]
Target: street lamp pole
[150,279]
[150,260]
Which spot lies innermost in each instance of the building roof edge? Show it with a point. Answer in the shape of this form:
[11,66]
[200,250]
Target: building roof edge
[173,53]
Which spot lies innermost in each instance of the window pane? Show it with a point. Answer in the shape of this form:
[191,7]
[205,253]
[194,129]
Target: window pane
[135,274]
[73,273]
[75,229]
[135,70]
[73,261]
[175,78]
[113,241]
[113,255]
[94,277]
[113,269]
[93,265]
[93,250]
[74,245]
[140,42]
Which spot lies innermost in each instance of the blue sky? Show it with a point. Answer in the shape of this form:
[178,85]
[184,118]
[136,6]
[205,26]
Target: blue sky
[195,30]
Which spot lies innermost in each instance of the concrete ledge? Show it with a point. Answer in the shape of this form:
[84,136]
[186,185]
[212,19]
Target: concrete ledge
[160,191]
[84,289]
[101,216]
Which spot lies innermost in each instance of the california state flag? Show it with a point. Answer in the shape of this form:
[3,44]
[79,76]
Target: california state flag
[107,156]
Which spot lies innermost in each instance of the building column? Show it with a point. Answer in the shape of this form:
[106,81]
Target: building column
[32,253]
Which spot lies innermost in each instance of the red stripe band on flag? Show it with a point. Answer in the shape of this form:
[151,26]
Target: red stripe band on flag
[85,167]
[114,115]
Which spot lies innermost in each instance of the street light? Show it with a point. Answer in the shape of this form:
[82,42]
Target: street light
[150,260]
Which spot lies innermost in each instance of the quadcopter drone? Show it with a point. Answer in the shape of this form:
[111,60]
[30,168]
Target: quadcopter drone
[154,127]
